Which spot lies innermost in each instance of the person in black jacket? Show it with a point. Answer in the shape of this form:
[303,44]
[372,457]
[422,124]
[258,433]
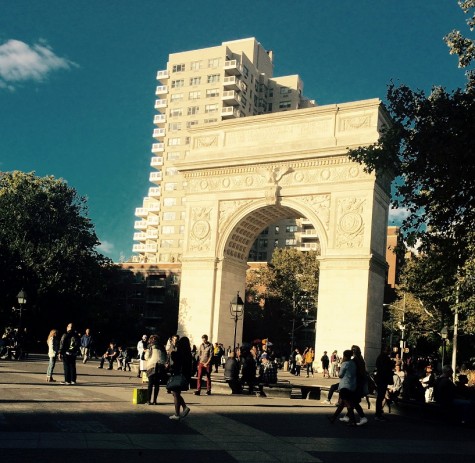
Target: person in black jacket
[68,351]
[181,363]
[231,374]
[384,377]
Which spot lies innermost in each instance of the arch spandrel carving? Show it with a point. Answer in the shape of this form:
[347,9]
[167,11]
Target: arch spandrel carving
[350,224]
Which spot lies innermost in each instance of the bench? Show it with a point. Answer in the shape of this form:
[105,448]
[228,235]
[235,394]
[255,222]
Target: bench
[280,390]
[312,392]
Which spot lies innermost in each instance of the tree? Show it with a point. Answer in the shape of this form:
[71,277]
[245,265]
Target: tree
[430,148]
[276,292]
[48,247]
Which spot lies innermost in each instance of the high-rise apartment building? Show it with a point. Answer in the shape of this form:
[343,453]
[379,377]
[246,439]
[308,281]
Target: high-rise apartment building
[206,86]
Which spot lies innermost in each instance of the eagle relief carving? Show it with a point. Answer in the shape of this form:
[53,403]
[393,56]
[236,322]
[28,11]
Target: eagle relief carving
[272,175]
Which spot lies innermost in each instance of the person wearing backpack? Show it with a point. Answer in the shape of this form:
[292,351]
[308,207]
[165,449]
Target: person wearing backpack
[69,349]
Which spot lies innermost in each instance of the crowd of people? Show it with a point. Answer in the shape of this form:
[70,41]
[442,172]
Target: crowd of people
[394,380]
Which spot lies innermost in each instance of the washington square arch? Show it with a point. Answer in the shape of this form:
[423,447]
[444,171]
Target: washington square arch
[243,175]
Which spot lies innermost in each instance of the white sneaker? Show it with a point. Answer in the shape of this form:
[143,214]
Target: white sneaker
[175,417]
[345,419]
[326,402]
[185,412]
[362,421]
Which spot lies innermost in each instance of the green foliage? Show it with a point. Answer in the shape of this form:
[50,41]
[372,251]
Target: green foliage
[47,245]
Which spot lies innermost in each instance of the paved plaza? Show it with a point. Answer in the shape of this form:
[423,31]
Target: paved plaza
[95,420]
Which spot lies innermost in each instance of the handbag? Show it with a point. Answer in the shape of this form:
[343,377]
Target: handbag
[177,382]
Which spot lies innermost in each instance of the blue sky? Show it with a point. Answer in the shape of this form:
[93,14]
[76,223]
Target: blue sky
[77,79]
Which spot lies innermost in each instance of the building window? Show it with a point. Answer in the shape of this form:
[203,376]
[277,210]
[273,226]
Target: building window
[269,108]
[244,88]
[176,97]
[285,90]
[170,186]
[195,65]
[245,71]
[171,171]
[285,105]
[177,112]
[276,243]
[263,243]
[174,126]
[210,121]
[170,201]
[214,62]
[168,230]
[174,141]
[277,229]
[290,242]
[212,92]
[211,108]
[213,78]
[178,83]
[167,244]
[173,155]
[193,110]
[191,124]
[195,80]
[243,101]
[178,68]
[169,216]
[291,228]
[194,95]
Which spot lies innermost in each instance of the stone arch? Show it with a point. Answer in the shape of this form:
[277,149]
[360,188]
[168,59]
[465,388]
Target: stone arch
[291,164]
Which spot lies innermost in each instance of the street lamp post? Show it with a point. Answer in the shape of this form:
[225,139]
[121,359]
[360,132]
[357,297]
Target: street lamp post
[402,326]
[236,307]
[21,297]
[444,332]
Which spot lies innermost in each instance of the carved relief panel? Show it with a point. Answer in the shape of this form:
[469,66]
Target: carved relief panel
[350,223]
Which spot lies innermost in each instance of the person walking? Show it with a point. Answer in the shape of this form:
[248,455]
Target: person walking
[325,364]
[309,357]
[181,364]
[347,388]
[205,354]
[155,358]
[86,345]
[141,347]
[334,360]
[384,377]
[68,351]
[53,348]
[298,362]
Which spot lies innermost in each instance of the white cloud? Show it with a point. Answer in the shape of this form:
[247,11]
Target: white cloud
[105,247]
[396,216]
[20,62]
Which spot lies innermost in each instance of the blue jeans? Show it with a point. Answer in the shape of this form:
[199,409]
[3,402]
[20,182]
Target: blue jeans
[51,364]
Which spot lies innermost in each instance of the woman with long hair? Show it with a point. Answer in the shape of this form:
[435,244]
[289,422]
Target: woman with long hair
[181,364]
[53,348]
[155,359]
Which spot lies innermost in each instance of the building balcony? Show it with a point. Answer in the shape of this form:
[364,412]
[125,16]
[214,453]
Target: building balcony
[154,207]
[151,247]
[232,67]
[155,192]
[158,133]
[309,247]
[232,83]
[156,161]
[162,75]
[140,236]
[228,112]
[231,97]
[152,221]
[138,247]
[141,212]
[160,104]
[310,233]
[151,234]
[140,224]
[155,177]
[158,147]
[161,90]
[159,119]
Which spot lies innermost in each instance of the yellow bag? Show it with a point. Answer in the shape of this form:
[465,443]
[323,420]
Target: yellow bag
[144,377]
[139,396]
